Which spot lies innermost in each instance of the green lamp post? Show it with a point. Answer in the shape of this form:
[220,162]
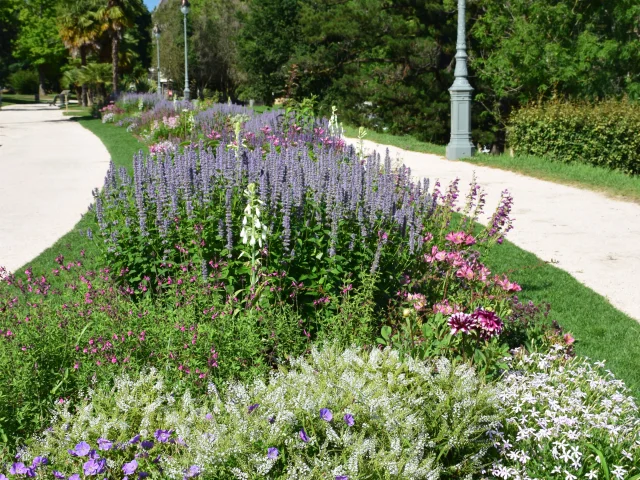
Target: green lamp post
[460,145]
[156,33]
[185,9]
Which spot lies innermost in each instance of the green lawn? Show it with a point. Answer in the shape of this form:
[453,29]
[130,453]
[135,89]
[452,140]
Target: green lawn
[608,182]
[18,99]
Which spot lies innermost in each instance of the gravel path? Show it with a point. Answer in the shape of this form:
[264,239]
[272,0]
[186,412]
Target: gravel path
[594,238]
[48,168]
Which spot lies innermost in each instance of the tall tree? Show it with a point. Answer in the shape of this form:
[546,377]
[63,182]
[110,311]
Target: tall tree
[79,25]
[38,42]
[9,27]
[118,16]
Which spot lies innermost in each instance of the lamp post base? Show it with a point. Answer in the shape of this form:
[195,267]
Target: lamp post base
[187,94]
[455,151]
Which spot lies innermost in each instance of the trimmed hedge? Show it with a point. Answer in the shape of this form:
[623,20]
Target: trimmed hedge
[605,134]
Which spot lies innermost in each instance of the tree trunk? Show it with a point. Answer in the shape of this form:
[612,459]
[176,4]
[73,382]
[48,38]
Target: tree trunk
[83,62]
[40,90]
[115,41]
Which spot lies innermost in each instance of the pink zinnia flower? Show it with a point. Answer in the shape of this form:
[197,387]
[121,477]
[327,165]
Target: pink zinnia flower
[488,322]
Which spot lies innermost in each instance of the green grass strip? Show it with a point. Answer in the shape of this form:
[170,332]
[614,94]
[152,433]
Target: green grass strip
[405,142]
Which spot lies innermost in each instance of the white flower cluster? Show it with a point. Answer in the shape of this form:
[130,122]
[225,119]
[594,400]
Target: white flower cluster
[253,231]
[566,419]
[108,117]
[336,414]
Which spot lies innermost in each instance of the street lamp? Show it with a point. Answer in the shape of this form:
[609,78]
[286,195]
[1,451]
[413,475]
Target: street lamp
[156,33]
[185,9]
[460,145]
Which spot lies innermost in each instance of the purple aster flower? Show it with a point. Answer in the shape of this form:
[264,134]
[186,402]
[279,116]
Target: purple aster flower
[56,474]
[75,476]
[81,450]
[194,471]
[156,460]
[342,477]
[162,435]
[208,416]
[303,436]
[326,415]
[253,407]
[18,468]
[94,466]
[104,444]
[3,477]
[272,453]
[272,419]
[147,444]
[143,475]
[129,468]
[135,439]
[349,420]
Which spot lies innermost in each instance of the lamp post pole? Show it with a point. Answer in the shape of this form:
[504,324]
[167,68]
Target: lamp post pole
[185,9]
[460,145]
[156,33]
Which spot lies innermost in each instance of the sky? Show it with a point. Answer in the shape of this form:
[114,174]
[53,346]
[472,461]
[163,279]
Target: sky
[151,4]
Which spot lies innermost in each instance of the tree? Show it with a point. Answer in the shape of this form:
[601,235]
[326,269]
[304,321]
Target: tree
[79,25]
[38,42]
[118,16]
[270,32]
[9,12]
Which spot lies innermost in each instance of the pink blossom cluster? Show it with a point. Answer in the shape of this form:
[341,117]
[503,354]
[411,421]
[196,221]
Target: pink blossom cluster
[485,323]
[171,122]
[162,148]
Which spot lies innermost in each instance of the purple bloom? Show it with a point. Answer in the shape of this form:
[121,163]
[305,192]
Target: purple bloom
[104,444]
[147,444]
[461,322]
[18,468]
[253,407]
[143,475]
[135,439]
[488,322]
[81,450]
[208,416]
[342,477]
[272,453]
[162,435]
[272,419]
[326,415]
[75,476]
[39,461]
[94,466]
[194,471]
[129,468]
[3,477]
[56,474]
[303,436]
[349,420]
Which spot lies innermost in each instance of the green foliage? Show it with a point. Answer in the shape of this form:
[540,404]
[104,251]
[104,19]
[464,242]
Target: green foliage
[354,413]
[24,81]
[605,134]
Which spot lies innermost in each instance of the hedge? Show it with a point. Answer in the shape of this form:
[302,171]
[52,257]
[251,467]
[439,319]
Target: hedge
[605,134]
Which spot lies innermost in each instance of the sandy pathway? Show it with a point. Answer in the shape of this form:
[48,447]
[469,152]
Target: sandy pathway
[48,167]
[594,238]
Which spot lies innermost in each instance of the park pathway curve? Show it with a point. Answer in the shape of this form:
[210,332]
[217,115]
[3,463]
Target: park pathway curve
[48,168]
[594,238]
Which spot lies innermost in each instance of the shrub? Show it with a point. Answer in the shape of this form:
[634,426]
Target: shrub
[336,414]
[565,419]
[24,82]
[605,134]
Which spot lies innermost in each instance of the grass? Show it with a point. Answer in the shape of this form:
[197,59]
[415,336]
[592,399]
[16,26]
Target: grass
[405,142]
[610,182]
[18,99]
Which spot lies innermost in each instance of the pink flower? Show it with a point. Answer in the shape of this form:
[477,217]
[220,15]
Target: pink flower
[461,322]
[436,256]
[568,339]
[465,272]
[488,322]
[506,285]
[456,238]
[418,300]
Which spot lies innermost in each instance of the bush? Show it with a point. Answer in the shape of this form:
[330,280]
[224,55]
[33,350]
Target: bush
[335,414]
[24,82]
[566,419]
[605,134]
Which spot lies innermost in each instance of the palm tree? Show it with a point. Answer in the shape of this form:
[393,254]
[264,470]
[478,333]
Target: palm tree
[97,76]
[80,26]
[118,16]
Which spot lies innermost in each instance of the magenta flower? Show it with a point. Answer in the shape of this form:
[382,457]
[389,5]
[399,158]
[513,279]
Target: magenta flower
[461,322]
[272,453]
[456,238]
[465,272]
[303,436]
[326,415]
[488,322]
[349,420]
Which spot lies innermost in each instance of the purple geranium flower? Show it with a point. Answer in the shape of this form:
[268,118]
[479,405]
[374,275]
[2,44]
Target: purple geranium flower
[303,436]
[272,453]
[147,444]
[129,468]
[104,444]
[94,466]
[194,471]
[135,439]
[3,477]
[342,477]
[39,461]
[349,420]
[208,416]
[143,475]
[253,407]
[57,474]
[18,468]
[75,476]
[326,414]
[162,435]
[81,450]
